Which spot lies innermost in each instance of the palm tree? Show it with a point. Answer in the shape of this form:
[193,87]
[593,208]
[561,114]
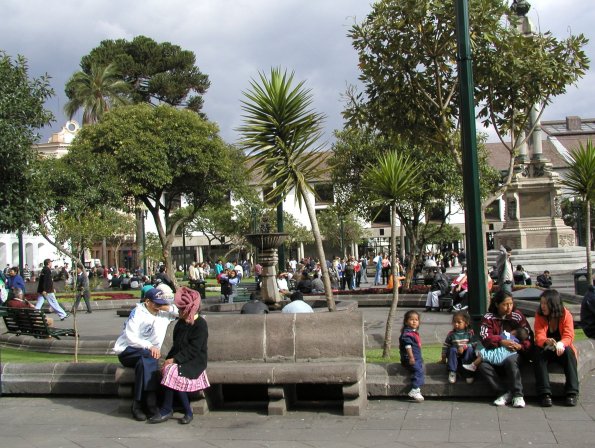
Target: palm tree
[280,133]
[95,92]
[390,179]
[580,180]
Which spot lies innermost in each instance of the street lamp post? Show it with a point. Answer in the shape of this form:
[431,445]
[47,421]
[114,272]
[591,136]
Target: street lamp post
[472,199]
[144,215]
[578,216]
[184,251]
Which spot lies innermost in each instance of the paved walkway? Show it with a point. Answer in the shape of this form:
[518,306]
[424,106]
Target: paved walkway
[96,423]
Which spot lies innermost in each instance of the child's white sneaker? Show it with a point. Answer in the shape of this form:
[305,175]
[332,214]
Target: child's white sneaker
[518,402]
[503,400]
[471,367]
[415,394]
[452,377]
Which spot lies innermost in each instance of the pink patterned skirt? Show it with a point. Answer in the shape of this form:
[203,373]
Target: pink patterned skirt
[174,381]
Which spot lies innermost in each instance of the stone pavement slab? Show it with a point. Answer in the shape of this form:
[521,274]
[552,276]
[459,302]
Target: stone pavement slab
[96,423]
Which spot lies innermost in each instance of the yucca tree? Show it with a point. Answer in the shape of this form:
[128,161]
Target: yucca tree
[393,177]
[281,134]
[95,92]
[580,180]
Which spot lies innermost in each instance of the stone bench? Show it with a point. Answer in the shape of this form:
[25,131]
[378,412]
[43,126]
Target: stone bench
[280,354]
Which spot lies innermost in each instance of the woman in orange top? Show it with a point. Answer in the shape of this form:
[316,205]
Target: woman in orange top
[554,336]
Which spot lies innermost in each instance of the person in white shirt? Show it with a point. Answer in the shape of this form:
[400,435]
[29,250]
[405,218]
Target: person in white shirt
[282,284]
[297,304]
[139,346]
[193,272]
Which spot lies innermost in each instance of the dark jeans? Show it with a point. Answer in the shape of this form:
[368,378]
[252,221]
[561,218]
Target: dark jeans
[146,370]
[542,377]
[510,369]
[454,360]
[417,373]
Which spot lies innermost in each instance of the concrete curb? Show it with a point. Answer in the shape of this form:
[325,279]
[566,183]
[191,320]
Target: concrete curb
[59,379]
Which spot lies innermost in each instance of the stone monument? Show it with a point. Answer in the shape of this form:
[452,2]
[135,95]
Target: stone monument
[533,216]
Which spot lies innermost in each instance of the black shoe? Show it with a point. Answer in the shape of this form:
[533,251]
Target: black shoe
[571,400]
[160,418]
[65,316]
[89,312]
[428,309]
[186,419]
[137,412]
[546,401]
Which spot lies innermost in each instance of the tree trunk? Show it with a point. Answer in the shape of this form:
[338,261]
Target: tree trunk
[395,272]
[104,259]
[588,244]
[328,291]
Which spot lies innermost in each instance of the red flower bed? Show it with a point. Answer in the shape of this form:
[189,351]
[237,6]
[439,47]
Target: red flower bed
[107,295]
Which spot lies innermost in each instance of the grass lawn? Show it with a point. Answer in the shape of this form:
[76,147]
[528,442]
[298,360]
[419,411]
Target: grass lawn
[431,354]
[24,356]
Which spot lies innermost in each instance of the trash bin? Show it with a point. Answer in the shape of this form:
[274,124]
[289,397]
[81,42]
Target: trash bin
[580,282]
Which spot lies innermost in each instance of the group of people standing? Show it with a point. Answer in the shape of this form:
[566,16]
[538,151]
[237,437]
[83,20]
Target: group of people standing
[506,340]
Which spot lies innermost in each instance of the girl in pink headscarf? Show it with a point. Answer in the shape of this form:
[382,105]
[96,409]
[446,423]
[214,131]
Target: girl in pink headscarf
[184,368]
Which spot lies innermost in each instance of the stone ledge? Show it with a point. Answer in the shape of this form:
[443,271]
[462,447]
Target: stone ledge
[59,379]
[392,380]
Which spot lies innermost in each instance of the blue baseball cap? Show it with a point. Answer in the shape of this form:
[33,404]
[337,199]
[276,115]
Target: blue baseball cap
[156,296]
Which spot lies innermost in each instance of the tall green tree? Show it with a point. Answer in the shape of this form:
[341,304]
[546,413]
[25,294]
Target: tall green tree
[281,134]
[95,92]
[22,113]
[156,72]
[393,177]
[580,180]
[439,185]
[172,161]
[407,57]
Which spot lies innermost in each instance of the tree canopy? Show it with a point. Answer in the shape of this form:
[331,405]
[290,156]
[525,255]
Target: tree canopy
[22,112]
[156,72]
[407,57]
[158,156]
[95,92]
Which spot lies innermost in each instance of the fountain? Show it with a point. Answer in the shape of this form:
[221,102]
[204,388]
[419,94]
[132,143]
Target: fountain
[268,243]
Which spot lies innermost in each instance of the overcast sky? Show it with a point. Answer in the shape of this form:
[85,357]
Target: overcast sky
[234,39]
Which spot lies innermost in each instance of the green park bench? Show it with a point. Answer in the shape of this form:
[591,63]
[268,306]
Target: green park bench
[31,322]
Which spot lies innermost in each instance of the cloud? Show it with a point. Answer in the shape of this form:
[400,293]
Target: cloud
[234,40]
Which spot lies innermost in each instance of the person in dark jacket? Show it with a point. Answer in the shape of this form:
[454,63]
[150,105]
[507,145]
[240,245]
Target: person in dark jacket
[45,289]
[82,289]
[588,313]
[165,278]
[184,368]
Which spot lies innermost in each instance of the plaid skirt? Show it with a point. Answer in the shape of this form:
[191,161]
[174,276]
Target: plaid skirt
[174,381]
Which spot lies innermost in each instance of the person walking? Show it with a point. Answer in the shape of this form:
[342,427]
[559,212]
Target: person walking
[504,269]
[82,289]
[45,290]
